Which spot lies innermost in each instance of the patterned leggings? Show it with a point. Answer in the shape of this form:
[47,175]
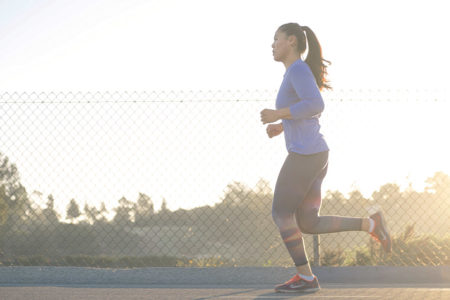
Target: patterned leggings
[297,201]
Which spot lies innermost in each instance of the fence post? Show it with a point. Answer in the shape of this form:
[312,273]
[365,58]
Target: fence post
[316,242]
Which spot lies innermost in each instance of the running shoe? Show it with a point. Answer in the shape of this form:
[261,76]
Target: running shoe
[380,232]
[298,285]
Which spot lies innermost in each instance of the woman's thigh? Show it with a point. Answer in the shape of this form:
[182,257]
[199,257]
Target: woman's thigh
[308,211]
[297,176]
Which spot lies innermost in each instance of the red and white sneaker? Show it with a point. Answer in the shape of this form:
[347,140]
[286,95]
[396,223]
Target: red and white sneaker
[380,232]
[298,285]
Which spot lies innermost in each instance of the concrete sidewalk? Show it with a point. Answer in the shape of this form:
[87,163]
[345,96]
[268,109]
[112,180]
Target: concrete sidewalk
[13,276]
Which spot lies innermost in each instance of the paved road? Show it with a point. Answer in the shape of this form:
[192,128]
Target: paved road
[328,291]
[379,282]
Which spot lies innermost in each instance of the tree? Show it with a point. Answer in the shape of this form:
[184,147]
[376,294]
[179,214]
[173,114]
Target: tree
[123,212]
[388,193]
[439,185]
[356,203]
[14,197]
[357,198]
[49,212]
[235,194]
[91,213]
[3,206]
[335,198]
[263,187]
[143,210]
[164,208]
[73,211]
[102,212]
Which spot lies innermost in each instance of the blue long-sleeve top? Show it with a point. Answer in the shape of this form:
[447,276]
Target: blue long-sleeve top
[299,92]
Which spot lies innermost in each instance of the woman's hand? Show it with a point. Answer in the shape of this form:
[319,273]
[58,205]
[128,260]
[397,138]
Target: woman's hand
[274,129]
[269,116]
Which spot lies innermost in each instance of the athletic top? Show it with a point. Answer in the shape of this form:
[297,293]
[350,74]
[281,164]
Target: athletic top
[299,92]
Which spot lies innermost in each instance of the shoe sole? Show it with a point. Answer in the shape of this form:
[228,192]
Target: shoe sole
[385,232]
[311,290]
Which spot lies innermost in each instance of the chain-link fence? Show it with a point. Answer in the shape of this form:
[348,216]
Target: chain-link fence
[185,178]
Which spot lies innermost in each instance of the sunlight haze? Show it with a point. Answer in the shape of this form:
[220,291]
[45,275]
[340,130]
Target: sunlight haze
[198,46]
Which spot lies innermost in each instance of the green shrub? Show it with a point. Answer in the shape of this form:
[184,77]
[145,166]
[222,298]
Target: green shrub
[332,257]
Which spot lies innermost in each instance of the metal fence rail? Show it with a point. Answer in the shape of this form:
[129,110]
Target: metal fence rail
[186,178]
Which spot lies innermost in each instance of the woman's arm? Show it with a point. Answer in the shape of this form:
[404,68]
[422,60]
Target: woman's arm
[311,102]
[272,115]
[284,113]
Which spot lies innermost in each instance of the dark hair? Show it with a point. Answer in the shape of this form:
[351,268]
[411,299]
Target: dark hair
[314,59]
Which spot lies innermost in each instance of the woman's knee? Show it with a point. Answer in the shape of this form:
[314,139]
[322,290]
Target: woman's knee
[305,226]
[282,219]
[285,204]
[307,221]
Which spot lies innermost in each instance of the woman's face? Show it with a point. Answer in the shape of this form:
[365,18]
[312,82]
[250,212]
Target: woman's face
[280,46]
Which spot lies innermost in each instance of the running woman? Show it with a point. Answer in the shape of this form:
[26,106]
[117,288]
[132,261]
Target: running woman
[297,195]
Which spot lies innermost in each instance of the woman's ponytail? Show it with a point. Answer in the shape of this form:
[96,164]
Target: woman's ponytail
[315,60]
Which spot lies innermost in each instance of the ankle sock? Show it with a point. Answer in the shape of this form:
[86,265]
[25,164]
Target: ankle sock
[308,278]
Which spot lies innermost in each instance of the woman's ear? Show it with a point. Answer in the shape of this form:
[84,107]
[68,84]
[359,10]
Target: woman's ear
[292,40]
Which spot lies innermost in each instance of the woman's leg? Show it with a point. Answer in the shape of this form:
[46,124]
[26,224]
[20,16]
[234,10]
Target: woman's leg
[296,176]
[309,220]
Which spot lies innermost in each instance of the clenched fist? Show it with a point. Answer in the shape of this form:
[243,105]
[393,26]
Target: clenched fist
[274,129]
[269,116]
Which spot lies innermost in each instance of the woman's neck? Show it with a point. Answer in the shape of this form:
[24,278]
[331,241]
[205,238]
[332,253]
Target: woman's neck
[291,59]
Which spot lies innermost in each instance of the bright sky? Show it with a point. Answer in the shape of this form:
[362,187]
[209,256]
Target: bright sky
[202,44]
[106,45]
